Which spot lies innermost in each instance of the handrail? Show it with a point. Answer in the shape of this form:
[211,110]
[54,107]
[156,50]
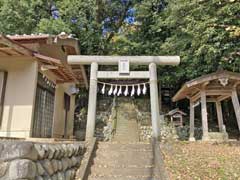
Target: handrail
[158,160]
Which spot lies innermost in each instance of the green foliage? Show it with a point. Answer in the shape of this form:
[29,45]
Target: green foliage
[198,32]
[53,26]
[204,33]
[22,16]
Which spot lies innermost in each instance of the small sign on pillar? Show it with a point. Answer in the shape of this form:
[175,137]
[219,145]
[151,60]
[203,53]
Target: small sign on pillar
[123,66]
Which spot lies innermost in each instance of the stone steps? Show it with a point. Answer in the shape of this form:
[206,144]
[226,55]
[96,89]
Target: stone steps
[123,153]
[123,161]
[122,139]
[125,146]
[127,128]
[125,158]
[122,178]
[127,172]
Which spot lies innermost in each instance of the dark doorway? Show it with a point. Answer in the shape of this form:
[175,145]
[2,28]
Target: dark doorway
[67,108]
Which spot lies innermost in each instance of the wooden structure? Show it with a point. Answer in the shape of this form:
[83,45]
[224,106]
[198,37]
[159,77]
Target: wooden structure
[214,87]
[37,85]
[49,51]
[123,62]
[176,116]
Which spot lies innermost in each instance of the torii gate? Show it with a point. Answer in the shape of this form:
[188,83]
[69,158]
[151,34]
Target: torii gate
[123,73]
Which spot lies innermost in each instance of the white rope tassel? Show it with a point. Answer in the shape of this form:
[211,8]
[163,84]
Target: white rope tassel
[115,90]
[103,89]
[133,91]
[110,91]
[139,90]
[144,89]
[126,91]
[119,91]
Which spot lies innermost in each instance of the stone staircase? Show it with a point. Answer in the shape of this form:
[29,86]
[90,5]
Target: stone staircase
[123,161]
[127,128]
[124,158]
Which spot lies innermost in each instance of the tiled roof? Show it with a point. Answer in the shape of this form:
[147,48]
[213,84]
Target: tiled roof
[22,45]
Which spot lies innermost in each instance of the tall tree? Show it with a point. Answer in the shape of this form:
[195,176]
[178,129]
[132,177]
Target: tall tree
[204,33]
[21,17]
[94,22]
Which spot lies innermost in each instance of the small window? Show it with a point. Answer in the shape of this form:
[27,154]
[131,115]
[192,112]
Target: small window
[3,82]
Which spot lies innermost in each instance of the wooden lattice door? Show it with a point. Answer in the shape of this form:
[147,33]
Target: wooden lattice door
[44,108]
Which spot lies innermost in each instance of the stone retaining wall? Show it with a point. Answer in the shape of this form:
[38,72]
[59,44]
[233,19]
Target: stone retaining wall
[30,160]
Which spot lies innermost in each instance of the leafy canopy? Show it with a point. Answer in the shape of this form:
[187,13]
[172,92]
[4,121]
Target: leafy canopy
[206,34]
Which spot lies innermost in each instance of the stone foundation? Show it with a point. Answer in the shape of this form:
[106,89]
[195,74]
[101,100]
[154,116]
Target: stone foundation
[218,136]
[30,160]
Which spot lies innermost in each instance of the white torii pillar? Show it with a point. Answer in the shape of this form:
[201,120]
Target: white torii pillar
[152,61]
[92,101]
[155,115]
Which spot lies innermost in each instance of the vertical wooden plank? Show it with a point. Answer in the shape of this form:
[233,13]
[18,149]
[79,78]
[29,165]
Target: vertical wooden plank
[171,120]
[219,115]
[236,106]
[181,121]
[192,116]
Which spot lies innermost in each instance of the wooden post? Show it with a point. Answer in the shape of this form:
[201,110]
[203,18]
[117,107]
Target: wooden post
[204,114]
[181,121]
[219,115]
[92,102]
[192,116]
[171,120]
[236,106]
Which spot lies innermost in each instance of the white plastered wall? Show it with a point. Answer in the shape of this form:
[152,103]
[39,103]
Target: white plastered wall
[19,100]
[19,96]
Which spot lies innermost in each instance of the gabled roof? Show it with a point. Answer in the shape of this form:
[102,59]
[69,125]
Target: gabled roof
[194,84]
[49,51]
[174,111]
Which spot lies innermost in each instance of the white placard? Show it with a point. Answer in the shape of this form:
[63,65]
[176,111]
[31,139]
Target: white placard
[123,66]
